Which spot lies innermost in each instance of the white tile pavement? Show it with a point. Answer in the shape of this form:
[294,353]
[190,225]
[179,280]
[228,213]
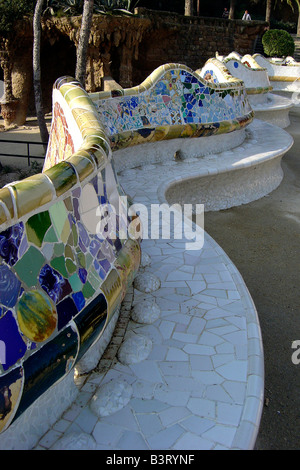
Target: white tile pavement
[200,385]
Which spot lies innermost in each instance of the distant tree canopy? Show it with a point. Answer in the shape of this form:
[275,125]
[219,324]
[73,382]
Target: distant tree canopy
[12,10]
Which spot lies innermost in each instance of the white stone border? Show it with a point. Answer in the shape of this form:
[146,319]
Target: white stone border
[231,178]
[274,110]
[163,151]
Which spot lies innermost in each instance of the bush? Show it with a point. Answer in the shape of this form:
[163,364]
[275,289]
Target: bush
[278,43]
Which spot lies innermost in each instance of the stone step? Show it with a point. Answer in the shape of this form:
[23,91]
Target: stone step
[297,47]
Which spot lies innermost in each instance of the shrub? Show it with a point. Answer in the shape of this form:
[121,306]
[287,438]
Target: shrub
[278,43]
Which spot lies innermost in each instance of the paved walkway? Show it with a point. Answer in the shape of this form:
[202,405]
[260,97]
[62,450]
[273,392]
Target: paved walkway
[190,373]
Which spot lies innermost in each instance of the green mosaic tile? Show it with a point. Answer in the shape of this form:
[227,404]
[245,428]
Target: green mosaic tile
[68,204]
[37,226]
[69,252]
[88,291]
[50,236]
[81,259]
[94,279]
[75,235]
[71,267]
[75,282]
[88,260]
[63,177]
[59,249]
[59,217]
[60,266]
[70,240]
[28,267]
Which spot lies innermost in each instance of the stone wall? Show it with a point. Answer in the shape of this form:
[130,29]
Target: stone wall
[191,40]
[124,48]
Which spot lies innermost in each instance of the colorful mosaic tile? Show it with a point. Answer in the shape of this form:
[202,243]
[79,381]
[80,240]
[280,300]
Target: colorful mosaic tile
[175,100]
[58,283]
[246,68]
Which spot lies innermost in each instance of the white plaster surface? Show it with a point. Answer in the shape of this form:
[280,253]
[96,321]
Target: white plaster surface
[230,179]
[274,109]
[276,69]
[111,397]
[251,77]
[163,151]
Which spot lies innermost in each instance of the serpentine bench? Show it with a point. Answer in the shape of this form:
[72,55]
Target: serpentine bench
[267,106]
[284,73]
[66,264]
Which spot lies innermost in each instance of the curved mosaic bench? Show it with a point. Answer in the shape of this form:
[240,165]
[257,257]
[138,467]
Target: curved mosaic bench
[62,280]
[284,74]
[62,284]
[188,378]
[267,106]
[173,102]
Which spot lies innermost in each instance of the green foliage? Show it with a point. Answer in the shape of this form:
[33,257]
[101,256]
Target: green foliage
[75,7]
[64,7]
[278,43]
[287,26]
[12,10]
[114,6]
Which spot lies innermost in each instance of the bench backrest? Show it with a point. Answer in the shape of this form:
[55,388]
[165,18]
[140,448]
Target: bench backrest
[66,257]
[173,102]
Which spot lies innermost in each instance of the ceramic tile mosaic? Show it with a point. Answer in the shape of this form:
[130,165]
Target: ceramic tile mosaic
[215,71]
[61,144]
[173,102]
[267,106]
[246,68]
[61,279]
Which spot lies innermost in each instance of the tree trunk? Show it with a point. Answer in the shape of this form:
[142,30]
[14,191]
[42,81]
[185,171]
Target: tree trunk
[268,10]
[82,48]
[188,8]
[37,70]
[231,9]
[298,24]
[198,7]
[6,65]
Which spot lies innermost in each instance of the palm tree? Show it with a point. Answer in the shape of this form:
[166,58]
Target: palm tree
[188,8]
[37,70]
[82,48]
[231,9]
